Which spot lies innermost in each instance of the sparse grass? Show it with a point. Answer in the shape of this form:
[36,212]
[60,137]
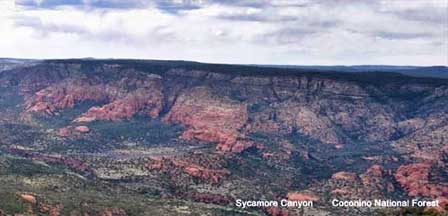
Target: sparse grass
[85,196]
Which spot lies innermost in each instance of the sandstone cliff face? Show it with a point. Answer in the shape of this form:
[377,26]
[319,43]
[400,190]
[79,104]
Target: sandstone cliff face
[226,108]
[211,119]
[146,98]
[126,97]
[64,95]
[308,123]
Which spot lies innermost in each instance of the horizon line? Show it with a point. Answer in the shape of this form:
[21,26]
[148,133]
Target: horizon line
[224,63]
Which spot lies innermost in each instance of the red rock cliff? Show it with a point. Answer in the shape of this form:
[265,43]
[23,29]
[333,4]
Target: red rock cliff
[211,119]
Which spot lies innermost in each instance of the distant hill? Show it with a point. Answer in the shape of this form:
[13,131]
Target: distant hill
[415,71]
[10,63]
[429,71]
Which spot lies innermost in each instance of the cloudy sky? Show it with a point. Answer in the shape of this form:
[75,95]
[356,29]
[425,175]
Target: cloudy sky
[305,32]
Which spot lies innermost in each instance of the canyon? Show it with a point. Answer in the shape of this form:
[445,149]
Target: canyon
[209,134]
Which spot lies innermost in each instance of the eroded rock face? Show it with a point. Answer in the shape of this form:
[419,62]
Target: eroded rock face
[29,198]
[308,122]
[345,176]
[82,129]
[374,182]
[283,154]
[70,162]
[211,119]
[52,210]
[65,95]
[229,109]
[209,198]
[38,205]
[64,132]
[360,117]
[213,173]
[276,211]
[415,179]
[332,111]
[126,97]
[72,131]
[148,100]
[113,212]
[301,196]
[427,139]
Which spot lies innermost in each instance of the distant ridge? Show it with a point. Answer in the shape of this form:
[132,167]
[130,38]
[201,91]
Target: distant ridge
[414,71]
[417,71]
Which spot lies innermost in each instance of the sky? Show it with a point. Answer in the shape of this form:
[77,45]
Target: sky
[293,32]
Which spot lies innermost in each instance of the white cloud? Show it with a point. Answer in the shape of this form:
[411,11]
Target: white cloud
[270,32]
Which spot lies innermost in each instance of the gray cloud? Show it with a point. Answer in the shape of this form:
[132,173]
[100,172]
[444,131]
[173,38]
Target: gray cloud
[47,3]
[168,6]
[438,16]
[171,6]
[108,4]
[287,36]
[159,34]
[44,29]
[174,8]
[257,18]
[402,35]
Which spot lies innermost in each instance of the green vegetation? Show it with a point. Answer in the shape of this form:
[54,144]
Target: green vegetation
[78,195]
[160,67]
[148,131]
[65,116]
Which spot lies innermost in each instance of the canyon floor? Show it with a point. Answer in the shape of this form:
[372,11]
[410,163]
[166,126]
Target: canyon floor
[142,137]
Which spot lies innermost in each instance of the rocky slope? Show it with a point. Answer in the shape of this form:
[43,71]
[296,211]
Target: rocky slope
[214,133]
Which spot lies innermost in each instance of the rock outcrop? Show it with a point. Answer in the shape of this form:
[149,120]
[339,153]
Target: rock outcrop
[75,164]
[29,198]
[65,95]
[124,98]
[209,198]
[82,129]
[211,119]
[38,205]
[374,182]
[148,100]
[415,179]
[426,139]
[308,123]
[276,211]
[211,173]
[72,131]
[344,176]
[112,212]
[301,196]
